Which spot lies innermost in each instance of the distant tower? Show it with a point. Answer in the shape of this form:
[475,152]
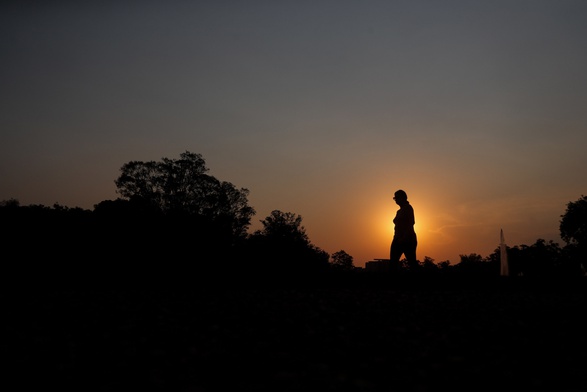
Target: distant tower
[504,270]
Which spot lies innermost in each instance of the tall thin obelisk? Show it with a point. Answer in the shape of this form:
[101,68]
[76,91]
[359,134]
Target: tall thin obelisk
[504,270]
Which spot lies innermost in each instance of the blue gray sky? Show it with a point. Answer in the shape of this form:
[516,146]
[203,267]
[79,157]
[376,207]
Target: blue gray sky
[322,108]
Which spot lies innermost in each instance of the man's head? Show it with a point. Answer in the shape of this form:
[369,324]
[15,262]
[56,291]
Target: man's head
[400,196]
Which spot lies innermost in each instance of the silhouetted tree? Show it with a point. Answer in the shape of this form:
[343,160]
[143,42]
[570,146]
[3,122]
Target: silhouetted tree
[172,210]
[428,266]
[444,265]
[181,187]
[284,226]
[10,203]
[410,265]
[342,260]
[543,258]
[474,264]
[573,229]
[282,245]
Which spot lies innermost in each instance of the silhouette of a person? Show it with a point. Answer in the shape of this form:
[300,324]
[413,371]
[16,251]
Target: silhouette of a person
[404,240]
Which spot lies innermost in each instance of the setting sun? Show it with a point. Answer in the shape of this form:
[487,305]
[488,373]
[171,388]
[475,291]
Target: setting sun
[324,121]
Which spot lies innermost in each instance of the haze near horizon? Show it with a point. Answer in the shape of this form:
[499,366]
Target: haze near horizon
[324,108]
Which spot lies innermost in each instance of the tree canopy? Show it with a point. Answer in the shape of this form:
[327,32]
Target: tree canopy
[282,244]
[183,187]
[342,260]
[573,224]
[173,210]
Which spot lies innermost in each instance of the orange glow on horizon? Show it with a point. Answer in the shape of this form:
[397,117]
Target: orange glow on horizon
[375,238]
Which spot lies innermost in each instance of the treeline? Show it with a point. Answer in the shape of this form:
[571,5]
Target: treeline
[543,259]
[172,214]
[128,233]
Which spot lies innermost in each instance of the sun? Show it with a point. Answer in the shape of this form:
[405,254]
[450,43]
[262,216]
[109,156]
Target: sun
[371,237]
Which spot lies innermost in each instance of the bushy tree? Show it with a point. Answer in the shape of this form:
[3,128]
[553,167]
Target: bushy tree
[283,245]
[573,224]
[573,230]
[342,260]
[10,203]
[474,264]
[284,226]
[182,187]
[429,266]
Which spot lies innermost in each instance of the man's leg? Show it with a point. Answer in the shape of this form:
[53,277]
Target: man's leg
[410,251]
[395,252]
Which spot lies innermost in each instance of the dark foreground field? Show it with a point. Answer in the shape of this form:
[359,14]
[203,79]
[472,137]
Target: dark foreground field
[340,334]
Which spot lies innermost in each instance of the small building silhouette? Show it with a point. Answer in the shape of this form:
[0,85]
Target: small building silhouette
[378,265]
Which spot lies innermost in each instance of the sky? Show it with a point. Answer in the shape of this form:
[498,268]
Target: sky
[477,109]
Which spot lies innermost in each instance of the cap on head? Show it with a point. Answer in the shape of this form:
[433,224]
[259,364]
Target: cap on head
[400,194]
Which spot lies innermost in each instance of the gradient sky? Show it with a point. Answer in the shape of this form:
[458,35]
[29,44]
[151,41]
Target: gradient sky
[477,109]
